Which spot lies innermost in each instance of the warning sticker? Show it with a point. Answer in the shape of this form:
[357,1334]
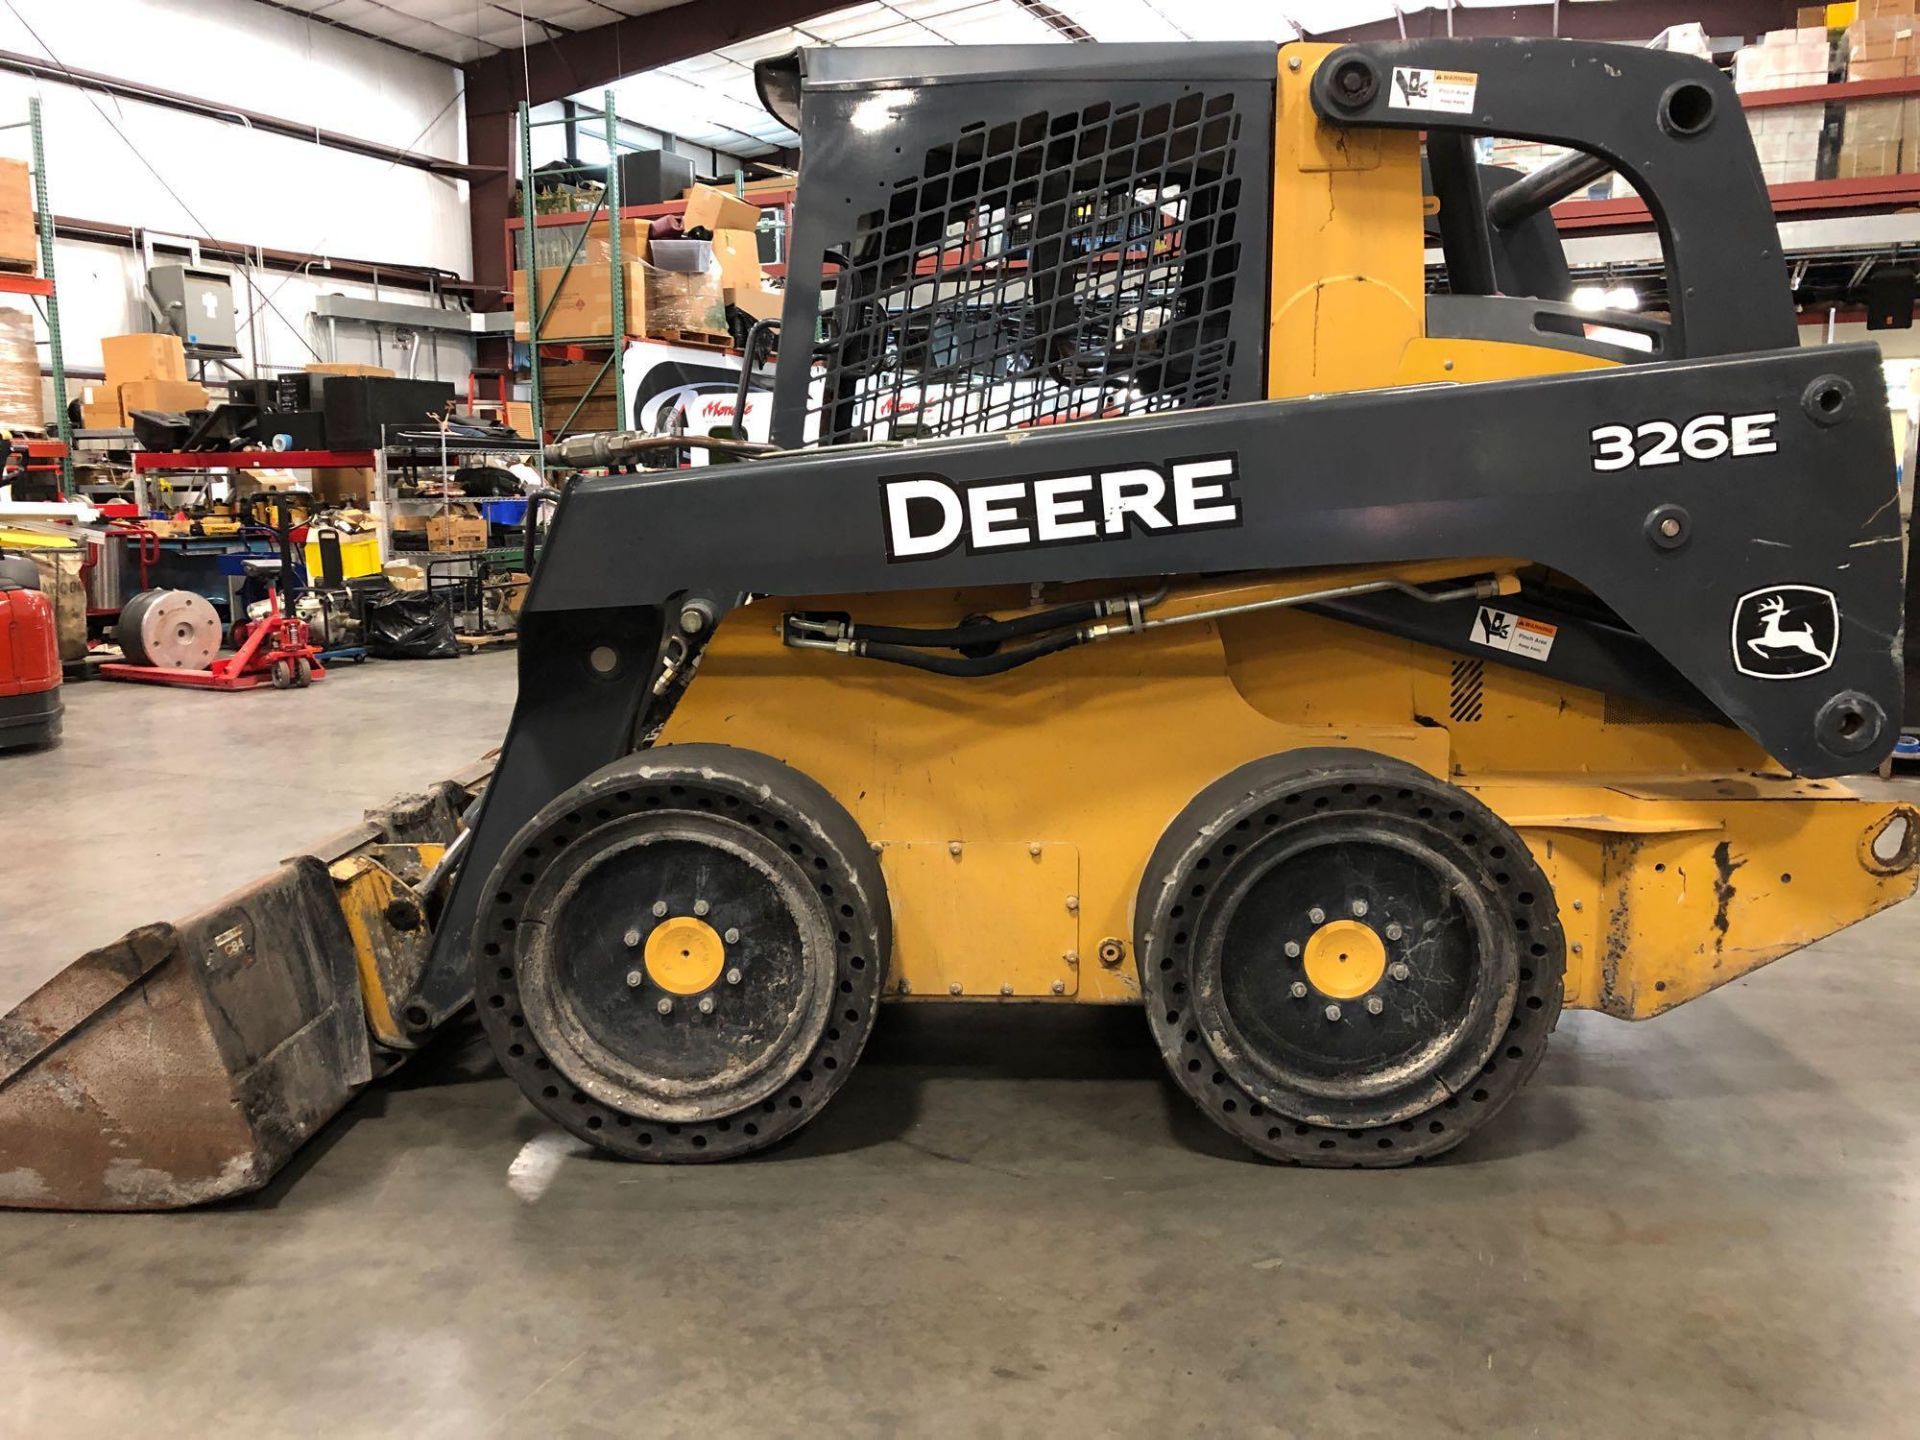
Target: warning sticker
[1515,634]
[1448,91]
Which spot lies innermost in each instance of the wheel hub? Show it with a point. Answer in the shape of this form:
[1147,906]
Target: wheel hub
[1345,959]
[685,955]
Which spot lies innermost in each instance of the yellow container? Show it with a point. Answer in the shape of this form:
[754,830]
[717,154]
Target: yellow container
[359,555]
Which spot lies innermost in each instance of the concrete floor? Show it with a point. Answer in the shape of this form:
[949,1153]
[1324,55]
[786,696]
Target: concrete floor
[1007,1224]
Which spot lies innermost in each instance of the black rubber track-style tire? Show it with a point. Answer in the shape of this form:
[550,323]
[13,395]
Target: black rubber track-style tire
[1230,893]
[637,1069]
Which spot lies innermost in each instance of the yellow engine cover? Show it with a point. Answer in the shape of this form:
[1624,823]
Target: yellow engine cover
[1014,814]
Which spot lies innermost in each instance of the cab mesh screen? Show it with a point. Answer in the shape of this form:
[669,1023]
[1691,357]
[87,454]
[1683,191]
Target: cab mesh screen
[1056,267]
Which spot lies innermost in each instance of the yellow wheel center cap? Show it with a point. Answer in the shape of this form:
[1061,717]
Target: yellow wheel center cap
[685,955]
[1344,959]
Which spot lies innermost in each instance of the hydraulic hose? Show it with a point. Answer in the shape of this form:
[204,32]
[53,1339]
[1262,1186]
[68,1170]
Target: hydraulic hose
[969,668]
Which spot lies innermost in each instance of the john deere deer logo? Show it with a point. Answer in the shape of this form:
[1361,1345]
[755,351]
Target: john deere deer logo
[1785,631]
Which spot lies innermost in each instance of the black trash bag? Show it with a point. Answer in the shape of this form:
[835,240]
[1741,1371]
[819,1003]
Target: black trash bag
[409,625]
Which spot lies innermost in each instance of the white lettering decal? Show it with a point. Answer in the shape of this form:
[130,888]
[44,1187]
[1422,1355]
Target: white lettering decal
[1199,504]
[906,544]
[994,519]
[1060,509]
[1132,492]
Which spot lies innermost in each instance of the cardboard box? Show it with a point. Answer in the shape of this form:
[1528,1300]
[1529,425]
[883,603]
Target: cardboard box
[344,484]
[759,302]
[736,253]
[404,576]
[717,210]
[167,396]
[19,236]
[578,303]
[519,417]
[143,357]
[456,532]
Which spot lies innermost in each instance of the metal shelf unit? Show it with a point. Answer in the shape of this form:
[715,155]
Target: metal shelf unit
[434,450]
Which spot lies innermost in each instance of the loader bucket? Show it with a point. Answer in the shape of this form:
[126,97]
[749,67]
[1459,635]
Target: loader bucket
[187,1062]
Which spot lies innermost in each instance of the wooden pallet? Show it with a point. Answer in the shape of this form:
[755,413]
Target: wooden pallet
[474,644]
[700,339]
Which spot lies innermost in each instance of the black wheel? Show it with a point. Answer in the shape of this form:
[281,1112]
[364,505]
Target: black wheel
[681,956]
[1346,961]
[281,673]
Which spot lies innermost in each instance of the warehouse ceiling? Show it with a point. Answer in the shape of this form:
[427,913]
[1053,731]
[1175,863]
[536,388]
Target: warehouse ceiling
[710,100]
[463,30]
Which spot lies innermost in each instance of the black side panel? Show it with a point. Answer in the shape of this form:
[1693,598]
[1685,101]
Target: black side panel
[1670,123]
[1506,468]
[1081,232]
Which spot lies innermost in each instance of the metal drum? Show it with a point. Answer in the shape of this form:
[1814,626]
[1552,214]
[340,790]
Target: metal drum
[169,629]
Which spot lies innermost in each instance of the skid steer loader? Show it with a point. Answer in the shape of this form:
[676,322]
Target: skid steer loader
[1156,597]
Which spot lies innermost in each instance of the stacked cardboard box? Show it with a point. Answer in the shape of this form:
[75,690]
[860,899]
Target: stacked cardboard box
[562,385]
[19,371]
[661,299]
[19,237]
[144,372]
[1881,137]
[1787,138]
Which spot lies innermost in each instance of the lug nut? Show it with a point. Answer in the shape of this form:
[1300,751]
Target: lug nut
[733,976]
[1034,849]
[1292,948]
[954,988]
[1359,908]
[1317,915]
[732,937]
[1333,1012]
[706,1004]
[1298,990]
[1006,989]
[665,1007]
[1398,970]
[635,979]
[659,908]
[953,848]
[1394,932]
[1059,987]
[631,939]
[700,907]
[1073,902]
[1375,1005]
